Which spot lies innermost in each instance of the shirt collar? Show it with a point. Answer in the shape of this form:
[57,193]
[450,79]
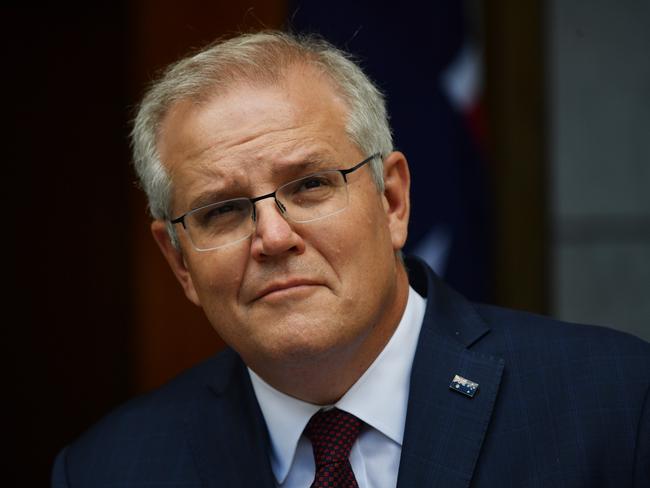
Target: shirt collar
[379,397]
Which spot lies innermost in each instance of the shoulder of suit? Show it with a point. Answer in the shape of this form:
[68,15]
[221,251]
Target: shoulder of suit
[167,403]
[528,330]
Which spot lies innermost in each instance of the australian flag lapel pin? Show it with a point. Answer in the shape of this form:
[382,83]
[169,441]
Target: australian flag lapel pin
[464,386]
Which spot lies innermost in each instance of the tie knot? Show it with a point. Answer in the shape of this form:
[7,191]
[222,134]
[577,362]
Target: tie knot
[332,433]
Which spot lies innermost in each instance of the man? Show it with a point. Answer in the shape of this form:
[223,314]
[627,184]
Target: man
[281,207]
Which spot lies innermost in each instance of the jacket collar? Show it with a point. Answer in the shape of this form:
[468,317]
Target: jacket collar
[444,429]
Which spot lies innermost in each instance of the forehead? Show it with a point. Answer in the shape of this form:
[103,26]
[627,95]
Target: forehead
[253,133]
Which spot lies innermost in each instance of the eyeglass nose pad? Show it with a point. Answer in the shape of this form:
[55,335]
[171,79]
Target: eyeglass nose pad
[281,206]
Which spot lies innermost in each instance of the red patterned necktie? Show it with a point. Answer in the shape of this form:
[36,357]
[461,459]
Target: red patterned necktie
[332,433]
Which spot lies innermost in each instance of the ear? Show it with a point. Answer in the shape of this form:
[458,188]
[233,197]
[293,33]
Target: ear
[175,259]
[397,204]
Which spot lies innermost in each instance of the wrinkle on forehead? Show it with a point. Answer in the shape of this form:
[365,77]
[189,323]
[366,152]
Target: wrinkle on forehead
[234,165]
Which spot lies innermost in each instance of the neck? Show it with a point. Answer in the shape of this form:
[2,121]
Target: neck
[323,380]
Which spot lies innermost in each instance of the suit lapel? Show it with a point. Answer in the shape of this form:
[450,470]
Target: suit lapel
[227,433]
[444,429]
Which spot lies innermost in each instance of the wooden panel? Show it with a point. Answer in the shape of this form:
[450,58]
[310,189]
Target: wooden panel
[515,102]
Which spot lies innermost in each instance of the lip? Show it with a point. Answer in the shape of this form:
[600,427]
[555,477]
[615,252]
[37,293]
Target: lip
[285,285]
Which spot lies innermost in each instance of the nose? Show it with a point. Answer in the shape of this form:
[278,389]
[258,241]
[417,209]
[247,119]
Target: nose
[273,235]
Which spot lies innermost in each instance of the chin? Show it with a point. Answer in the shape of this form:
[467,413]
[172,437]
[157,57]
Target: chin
[301,347]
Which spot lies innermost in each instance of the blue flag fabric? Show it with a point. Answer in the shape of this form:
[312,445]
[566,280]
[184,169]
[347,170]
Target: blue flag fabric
[405,47]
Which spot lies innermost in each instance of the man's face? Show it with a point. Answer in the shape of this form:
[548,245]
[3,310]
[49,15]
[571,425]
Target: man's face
[291,292]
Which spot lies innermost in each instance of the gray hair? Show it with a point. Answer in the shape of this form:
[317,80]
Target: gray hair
[258,57]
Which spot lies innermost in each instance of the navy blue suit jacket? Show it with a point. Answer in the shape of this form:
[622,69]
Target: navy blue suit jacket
[558,405]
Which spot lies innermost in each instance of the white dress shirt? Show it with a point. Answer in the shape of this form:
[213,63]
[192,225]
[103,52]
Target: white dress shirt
[379,398]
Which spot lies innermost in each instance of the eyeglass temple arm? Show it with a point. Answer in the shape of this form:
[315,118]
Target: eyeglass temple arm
[346,172]
[179,220]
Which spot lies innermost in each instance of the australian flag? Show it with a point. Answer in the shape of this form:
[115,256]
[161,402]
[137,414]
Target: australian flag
[421,56]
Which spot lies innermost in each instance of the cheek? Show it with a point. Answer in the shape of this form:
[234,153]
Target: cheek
[217,277]
[358,243]
[371,228]
[218,283]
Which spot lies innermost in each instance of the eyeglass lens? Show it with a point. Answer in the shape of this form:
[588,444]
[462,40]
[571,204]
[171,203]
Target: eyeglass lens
[304,200]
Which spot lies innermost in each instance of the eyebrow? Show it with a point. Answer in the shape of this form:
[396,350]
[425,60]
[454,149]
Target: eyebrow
[208,197]
[310,163]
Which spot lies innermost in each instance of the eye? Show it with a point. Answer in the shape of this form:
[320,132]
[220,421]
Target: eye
[222,213]
[223,209]
[310,183]
[314,183]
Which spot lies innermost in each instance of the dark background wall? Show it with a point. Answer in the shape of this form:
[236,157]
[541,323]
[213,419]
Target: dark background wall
[93,315]
[66,187]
